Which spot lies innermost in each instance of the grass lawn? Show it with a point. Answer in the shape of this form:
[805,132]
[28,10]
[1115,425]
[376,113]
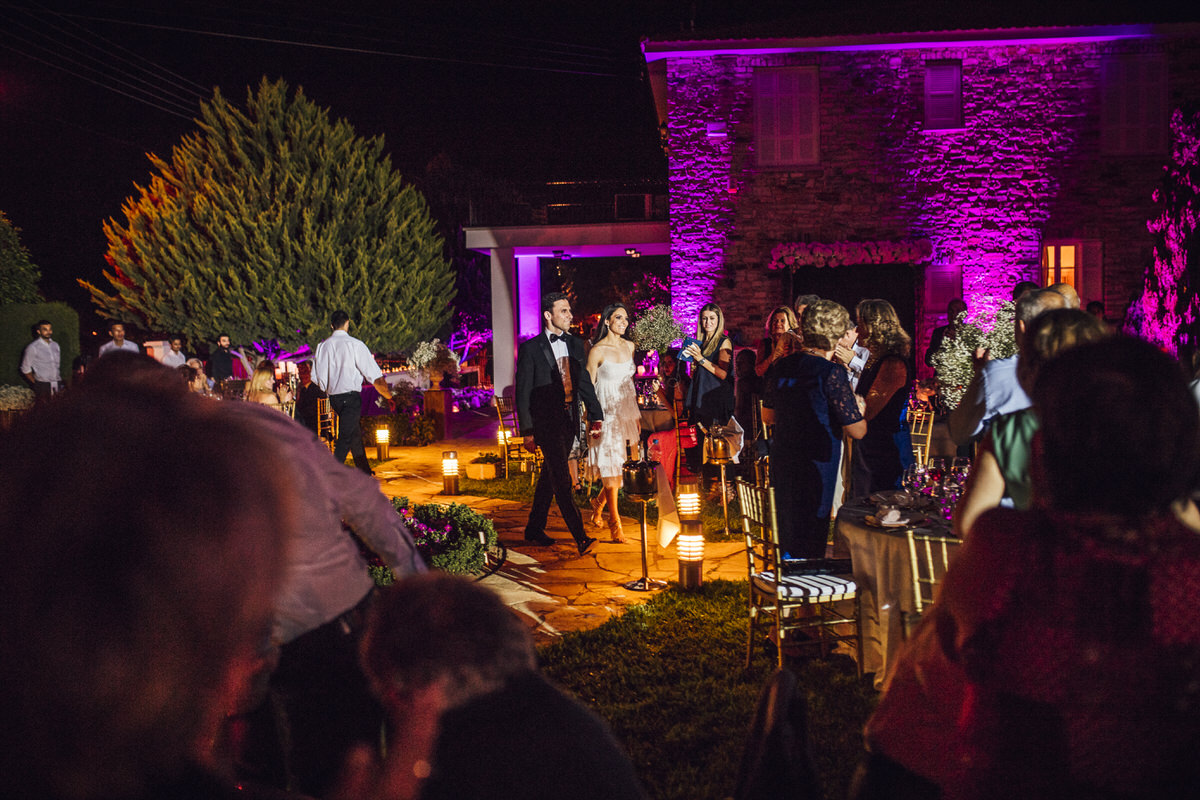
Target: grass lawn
[668,677]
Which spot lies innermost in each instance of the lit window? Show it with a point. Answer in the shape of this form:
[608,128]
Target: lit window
[1133,105]
[943,94]
[787,129]
[1078,263]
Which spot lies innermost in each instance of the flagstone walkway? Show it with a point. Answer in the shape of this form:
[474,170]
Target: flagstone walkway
[553,588]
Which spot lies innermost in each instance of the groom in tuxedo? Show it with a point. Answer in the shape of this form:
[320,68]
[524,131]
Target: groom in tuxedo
[550,379]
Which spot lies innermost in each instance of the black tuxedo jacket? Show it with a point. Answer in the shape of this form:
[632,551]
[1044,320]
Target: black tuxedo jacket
[539,386]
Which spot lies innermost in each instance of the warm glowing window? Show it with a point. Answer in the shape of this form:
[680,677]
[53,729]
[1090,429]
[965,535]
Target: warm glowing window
[1077,262]
[787,120]
[943,94]
[1058,264]
[1133,105]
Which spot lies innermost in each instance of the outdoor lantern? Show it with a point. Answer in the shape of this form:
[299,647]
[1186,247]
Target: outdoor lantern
[449,472]
[690,542]
[383,441]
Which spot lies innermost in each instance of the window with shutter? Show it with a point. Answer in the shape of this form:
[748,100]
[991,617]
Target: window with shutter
[787,120]
[943,95]
[1077,262]
[1133,105]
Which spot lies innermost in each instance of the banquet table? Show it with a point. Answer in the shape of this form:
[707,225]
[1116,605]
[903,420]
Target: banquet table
[883,571]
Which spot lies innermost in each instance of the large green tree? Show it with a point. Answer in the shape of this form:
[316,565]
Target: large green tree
[267,220]
[18,274]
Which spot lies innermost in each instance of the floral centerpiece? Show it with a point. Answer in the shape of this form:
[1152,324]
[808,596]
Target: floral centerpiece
[954,362]
[436,359]
[656,329]
[451,538]
[15,398]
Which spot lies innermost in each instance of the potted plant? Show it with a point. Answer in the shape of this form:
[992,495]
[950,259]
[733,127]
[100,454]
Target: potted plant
[436,359]
[484,467]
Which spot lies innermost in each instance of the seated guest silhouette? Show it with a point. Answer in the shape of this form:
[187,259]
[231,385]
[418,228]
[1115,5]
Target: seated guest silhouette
[441,630]
[1062,658]
[132,619]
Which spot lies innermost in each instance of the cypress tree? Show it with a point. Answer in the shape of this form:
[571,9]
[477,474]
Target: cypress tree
[265,221]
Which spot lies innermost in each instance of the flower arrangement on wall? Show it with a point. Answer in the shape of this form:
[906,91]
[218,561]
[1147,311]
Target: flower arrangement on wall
[954,362]
[793,255]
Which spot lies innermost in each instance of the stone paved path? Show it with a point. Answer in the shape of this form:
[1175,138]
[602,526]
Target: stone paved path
[552,588]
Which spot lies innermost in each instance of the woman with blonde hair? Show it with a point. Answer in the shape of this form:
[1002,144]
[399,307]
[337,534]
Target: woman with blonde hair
[814,405]
[882,455]
[261,388]
[782,339]
[710,398]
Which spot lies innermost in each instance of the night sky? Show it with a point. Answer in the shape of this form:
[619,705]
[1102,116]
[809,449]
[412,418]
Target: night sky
[519,89]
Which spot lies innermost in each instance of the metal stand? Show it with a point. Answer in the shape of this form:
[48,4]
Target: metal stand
[644,583]
[724,497]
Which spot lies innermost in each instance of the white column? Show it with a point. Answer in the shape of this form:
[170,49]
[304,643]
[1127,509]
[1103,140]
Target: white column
[504,319]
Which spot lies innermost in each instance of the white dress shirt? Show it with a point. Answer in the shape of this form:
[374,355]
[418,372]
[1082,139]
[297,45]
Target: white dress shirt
[342,363]
[111,347]
[173,359]
[43,359]
[559,347]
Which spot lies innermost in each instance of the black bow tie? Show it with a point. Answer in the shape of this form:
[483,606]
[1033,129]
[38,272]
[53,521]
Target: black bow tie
[554,337]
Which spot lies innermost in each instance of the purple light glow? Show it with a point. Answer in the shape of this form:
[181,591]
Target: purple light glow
[529,296]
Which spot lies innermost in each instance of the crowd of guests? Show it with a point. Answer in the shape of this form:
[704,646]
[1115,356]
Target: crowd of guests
[1062,658]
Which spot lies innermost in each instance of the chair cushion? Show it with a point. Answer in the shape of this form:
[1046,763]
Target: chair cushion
[831,587]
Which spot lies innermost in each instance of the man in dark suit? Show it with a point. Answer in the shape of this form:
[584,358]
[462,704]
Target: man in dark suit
[550,378]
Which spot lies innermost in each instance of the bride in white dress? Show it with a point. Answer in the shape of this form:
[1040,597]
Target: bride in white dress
[610,365]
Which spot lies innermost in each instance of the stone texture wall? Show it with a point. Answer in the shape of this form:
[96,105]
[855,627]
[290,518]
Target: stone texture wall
[1025,167]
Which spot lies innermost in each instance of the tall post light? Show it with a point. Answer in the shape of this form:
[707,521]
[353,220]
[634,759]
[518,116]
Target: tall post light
[689,545]
[383,441]
[449,472]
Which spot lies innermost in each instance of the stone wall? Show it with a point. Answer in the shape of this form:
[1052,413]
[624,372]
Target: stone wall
[1026,166]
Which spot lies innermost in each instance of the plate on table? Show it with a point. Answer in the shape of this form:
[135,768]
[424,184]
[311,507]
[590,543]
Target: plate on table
[903,522]
[893,497]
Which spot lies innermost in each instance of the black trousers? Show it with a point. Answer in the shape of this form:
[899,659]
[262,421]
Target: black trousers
[554,437]
[348,407]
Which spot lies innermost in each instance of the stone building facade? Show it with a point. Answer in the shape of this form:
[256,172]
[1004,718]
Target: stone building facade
[1010,152]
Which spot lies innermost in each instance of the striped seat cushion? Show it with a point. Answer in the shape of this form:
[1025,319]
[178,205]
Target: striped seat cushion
[831,587]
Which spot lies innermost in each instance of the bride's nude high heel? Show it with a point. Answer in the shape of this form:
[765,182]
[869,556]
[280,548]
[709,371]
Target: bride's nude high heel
[614,528]
[597,504]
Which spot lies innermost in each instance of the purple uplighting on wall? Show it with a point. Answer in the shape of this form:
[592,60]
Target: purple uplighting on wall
[1028,161]
[529,297]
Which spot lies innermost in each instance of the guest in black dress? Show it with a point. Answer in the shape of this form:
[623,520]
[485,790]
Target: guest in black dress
[710,398]
[882,455]
[814,405]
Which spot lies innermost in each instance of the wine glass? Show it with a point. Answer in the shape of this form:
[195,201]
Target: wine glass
[936,469]
[960,467]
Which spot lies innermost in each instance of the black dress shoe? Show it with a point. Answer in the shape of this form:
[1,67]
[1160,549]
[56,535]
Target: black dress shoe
[585,544]
[540,539]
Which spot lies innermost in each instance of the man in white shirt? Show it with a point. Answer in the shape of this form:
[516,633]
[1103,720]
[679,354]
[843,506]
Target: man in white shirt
[41,362]
[175,357]
[340,366]
[117,331]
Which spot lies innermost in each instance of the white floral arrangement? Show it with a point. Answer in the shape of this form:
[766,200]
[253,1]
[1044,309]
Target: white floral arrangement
[434,356]
[15,398]
[954,362]
[792,255]
[656,329]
